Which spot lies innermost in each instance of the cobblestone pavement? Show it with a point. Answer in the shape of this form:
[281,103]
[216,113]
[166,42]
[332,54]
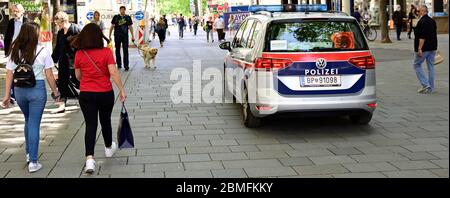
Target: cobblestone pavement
[408,136]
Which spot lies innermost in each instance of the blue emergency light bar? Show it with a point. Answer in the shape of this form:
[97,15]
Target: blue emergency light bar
[268,8]
[312,8]
[289,8]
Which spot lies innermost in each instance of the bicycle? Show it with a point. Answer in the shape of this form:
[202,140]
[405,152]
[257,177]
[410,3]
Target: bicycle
[370,33]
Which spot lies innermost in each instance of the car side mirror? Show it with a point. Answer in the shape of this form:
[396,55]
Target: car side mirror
[225,45]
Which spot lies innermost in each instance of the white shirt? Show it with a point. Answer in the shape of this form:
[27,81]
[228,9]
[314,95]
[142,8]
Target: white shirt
[219,24]
[43,61]
[100,23]
[17,26]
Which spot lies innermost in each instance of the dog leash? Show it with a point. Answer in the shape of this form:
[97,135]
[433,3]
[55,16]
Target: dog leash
[139,49]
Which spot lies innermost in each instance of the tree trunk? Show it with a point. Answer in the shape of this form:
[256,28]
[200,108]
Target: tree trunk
[196,12]
[383,23]
[56,8]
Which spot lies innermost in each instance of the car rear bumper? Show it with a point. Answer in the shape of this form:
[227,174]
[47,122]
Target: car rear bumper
[269,102]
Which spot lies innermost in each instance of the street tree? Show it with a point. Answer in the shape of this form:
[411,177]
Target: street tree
[174,6]
[56,8]
[383,23]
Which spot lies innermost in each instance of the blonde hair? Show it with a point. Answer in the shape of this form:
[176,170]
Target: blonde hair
[61,16]
[19,7]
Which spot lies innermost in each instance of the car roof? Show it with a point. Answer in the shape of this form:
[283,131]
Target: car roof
[267,16]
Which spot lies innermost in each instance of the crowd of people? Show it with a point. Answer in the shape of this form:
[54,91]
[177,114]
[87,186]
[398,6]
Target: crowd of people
[214,23]
[398,19]
[84,63]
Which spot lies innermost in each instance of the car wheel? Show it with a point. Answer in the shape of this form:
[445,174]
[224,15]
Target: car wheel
[249,119]
[361,118]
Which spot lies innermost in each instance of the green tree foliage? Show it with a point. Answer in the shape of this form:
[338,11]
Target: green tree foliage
[174,6]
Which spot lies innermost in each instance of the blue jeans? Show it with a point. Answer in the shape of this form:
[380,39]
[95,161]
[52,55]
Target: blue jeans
[418,60]
[208,33]
[32,102]
[180,31]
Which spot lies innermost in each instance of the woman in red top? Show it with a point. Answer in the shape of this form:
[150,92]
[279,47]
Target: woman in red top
[94,66]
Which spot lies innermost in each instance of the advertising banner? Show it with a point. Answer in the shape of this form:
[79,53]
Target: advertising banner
[238,18]
[39,12]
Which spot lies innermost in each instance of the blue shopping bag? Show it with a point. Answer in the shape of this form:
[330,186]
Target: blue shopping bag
[124,133]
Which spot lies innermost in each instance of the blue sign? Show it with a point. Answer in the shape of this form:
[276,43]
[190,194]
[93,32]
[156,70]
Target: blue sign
[90,16]
[239,8]
[139,15]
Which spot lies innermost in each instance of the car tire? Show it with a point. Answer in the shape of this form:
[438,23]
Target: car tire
[250,121]
[361,119]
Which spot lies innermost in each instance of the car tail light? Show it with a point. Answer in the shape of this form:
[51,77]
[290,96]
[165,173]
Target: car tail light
[264,108]
[372,105]
[364,62]
[270,64]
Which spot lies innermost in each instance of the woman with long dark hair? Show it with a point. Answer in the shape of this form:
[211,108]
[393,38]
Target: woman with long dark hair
[411,16]
[30,100]
[161,31]
[94,66]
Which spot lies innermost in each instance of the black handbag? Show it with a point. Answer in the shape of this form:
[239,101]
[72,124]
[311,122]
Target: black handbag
[23,76]
[124,133]
[73,86]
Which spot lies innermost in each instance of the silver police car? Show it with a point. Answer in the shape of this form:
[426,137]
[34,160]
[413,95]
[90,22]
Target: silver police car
[314,62]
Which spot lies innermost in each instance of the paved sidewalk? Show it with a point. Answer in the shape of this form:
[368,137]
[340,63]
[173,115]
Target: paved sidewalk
[408,136]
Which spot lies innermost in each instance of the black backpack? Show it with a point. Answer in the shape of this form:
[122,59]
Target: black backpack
[24,74]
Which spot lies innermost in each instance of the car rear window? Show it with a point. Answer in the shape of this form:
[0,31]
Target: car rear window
[314,36]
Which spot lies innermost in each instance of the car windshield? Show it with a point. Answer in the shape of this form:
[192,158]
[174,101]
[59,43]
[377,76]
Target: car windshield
[314,36]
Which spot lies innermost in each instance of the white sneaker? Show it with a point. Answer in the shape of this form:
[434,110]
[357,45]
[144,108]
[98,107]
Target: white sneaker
[60,109]
[33,167]
[109,152]
[28,158]
[90,166]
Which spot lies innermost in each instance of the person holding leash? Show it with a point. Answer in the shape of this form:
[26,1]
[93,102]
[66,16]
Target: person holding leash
[121,23]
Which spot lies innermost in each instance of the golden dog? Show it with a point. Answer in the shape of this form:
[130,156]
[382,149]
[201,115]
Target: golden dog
[149,55]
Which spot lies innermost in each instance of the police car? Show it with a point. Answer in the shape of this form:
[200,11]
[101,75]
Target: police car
[293,58]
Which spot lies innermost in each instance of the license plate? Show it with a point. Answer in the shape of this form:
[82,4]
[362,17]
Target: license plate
[320,81]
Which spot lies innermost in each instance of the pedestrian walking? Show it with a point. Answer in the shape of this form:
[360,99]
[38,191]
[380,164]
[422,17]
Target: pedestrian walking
[209,29]
[425,46]
[161,31]
[181,25]
[195,23]
[94,66]
[98,21]
[64,54]
[12,31]
[366,16]
[121,23]
[398,21]
[219,26]
[152,29]
[357,15]
[231,25]
[412,19]
[190,24]
[167,25]
[31,100]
